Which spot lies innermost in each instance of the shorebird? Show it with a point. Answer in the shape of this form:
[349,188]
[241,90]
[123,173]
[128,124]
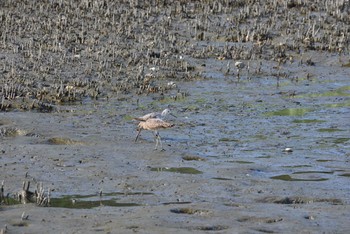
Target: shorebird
[154,124]
[154,115]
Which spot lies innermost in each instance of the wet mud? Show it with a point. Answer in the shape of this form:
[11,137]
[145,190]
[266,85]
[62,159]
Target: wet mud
[259,146]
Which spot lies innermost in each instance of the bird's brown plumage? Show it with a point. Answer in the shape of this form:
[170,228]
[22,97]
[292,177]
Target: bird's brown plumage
[154,125]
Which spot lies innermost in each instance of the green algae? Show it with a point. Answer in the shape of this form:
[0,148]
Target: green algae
[308,121]
[289,178]
[289,112]
[329,130]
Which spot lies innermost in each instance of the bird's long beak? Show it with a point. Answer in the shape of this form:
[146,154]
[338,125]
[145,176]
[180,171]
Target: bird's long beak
[138,134]
[173,115]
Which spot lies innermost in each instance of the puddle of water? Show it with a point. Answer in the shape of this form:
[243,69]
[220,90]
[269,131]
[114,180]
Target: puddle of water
[297,166]
[221,178]
[267,156]
[289,112]
[121,193]
[91,201]
[324,160]
[68,202]
[241,162]
[85,201]
[308,172]
[225,139]
[289,178]
[308,121]
[182,170]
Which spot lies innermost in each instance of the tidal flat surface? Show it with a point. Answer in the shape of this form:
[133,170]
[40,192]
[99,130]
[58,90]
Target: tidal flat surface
[235,132]
[261,149]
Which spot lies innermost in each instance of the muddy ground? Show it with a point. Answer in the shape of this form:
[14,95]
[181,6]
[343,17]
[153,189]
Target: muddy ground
[260,149]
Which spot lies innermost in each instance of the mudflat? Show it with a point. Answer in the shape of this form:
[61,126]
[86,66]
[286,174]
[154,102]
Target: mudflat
[260,92]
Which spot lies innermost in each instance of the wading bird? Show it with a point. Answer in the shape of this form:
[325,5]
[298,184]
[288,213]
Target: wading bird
[154,124]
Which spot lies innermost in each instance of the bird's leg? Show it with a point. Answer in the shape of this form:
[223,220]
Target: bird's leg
[160,141]
[138,134]
[156,138]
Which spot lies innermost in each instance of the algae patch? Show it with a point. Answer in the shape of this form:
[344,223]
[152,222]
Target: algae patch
[240,162]
[92,201]
[226,139]
[308,121]
[67,202]
[221,178]
[341,140]
[289,178]
[192,158]
[329,130]
[339,92]
[289,112]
